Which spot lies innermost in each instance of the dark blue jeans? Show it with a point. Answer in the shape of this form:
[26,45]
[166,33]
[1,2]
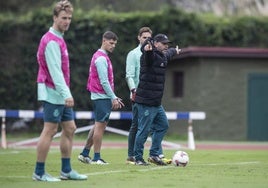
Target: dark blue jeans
[133,131]
[154,119]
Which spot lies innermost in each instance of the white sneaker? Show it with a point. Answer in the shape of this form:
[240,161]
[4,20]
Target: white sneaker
[44,177]
[73,175]
[99,162]
[84,159]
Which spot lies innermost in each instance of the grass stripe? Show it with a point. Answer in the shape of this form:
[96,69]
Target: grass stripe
[148,169]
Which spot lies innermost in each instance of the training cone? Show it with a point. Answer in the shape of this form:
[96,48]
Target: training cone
[191,144]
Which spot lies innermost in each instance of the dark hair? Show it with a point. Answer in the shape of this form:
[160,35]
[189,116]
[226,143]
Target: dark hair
[63,5]
[109,35]
[145,29]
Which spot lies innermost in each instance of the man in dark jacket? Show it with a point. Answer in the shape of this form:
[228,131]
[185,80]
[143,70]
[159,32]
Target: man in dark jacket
[151,114]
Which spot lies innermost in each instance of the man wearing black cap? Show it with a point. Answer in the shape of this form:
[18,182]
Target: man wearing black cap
[151,114]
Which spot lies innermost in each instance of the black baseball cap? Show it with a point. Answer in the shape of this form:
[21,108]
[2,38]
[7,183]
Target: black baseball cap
[161,38]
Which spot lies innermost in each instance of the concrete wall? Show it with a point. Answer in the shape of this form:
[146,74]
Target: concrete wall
[217,86]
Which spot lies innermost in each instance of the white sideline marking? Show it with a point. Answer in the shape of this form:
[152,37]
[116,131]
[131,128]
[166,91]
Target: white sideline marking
[171,166]
[22,177]
[120,171]
[237,163]
[7,152]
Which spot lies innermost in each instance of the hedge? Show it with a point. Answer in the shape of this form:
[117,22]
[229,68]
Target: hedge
[20,37]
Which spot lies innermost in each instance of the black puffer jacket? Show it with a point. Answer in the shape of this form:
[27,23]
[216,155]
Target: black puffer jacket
[152,76]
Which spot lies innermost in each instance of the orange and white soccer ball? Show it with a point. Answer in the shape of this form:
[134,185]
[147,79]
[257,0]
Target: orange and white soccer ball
[180,158]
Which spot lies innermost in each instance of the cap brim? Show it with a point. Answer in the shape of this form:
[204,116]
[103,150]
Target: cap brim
[166,41]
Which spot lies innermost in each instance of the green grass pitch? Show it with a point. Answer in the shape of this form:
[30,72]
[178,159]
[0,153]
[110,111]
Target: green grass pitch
[207,169]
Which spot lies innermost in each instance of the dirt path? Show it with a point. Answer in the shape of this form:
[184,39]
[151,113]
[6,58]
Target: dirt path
[199,145]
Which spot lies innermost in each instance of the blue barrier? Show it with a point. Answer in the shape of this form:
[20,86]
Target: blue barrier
[90,115]
[31,114]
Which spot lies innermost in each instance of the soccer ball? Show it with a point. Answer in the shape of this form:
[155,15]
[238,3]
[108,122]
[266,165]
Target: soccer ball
[180,158]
